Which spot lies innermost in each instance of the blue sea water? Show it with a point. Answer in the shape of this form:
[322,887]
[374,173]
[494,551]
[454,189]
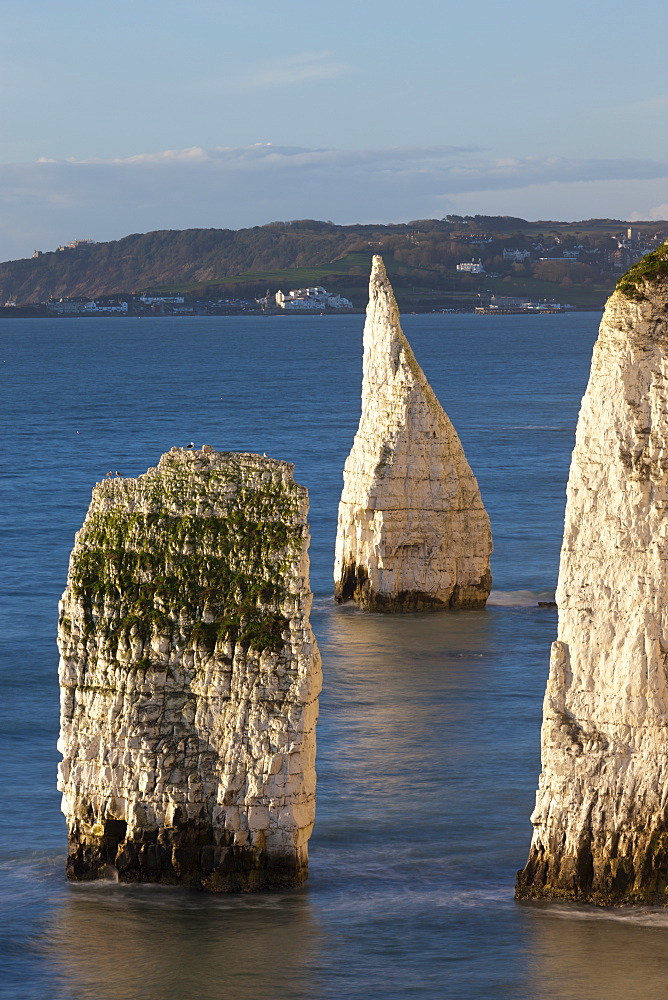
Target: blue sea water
[428,740]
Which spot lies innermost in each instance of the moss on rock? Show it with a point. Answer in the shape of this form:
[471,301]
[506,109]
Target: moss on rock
[652,267]
[217,575]
[189,677]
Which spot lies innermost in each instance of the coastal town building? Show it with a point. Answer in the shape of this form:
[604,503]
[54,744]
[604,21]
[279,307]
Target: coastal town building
[563,259]
[81,306]
[165,300]
[315,297]
[625,256]
[516,255]
[507,304]
[106,307]
[471,266]
[66,304]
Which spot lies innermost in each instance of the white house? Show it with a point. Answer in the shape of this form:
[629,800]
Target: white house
[165,300]
[316,298]
[101,307]
[472,266]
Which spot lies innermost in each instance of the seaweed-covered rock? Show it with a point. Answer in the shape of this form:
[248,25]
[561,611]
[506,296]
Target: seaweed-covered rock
[189,677]
[413,532]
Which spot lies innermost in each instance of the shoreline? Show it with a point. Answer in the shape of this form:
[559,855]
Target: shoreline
[17,313]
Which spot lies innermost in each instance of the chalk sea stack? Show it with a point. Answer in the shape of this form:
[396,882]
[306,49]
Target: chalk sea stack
[189,677]
[601,816]
[413,533]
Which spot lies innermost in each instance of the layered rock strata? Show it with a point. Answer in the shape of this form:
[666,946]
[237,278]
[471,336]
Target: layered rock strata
[601,816]
[412,533]
[189,677]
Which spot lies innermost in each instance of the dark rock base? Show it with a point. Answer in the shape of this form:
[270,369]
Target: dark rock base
[355,586]
[621,881]
[172,858]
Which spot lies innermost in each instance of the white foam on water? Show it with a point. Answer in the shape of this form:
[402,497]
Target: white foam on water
[645,916]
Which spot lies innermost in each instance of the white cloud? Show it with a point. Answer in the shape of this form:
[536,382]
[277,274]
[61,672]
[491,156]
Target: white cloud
[239,186]
[659,212]
[458,168]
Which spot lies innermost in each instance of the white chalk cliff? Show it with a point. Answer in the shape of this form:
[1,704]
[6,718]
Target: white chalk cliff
[601,816]
[189,677]
[412,532]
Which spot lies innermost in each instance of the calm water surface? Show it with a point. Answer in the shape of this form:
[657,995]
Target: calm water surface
[429,729]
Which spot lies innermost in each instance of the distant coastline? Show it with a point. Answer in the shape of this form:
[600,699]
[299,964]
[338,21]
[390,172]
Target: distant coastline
[457,263]
[34,313]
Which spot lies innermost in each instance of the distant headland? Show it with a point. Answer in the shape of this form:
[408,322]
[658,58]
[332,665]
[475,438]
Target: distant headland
[458,263]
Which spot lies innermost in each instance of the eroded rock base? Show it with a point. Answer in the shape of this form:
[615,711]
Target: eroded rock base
[188,856]
[603,881]
[355,585]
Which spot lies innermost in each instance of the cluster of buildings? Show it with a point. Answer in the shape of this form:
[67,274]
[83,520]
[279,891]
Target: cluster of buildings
[80,306]
[628,251]
[315,298]
[84,307]
[157,305]
[72,245]
[512,304]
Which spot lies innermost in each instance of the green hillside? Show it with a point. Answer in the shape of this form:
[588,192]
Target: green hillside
[576,262]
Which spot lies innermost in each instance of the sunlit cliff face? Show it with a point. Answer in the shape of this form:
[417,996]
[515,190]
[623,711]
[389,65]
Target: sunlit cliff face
[413,533]
[600,831]
[189,677]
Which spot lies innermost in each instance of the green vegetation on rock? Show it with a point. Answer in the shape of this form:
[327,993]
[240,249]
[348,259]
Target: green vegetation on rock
[207,578]
[652,267]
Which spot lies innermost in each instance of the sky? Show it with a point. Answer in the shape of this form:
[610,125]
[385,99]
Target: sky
[133,115]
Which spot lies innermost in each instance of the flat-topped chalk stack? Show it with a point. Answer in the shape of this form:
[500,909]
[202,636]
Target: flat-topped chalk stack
[601,816]
[413,533]
[189,677]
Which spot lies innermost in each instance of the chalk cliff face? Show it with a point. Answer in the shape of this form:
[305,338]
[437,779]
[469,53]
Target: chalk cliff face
[189,677]
[601,817]
[412,532]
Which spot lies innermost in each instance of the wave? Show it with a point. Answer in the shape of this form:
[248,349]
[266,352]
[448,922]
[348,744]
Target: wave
[641,916]
[536,427]
[519,598]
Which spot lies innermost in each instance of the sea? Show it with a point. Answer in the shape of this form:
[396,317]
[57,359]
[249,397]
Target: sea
[429,729]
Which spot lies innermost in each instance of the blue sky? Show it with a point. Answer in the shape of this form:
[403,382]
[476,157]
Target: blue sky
[127,116]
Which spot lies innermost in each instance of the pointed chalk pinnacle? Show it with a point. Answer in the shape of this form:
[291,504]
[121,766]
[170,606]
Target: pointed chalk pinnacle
[413,532]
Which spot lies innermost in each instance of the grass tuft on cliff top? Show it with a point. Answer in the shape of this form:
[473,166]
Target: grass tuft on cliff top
[651,268]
